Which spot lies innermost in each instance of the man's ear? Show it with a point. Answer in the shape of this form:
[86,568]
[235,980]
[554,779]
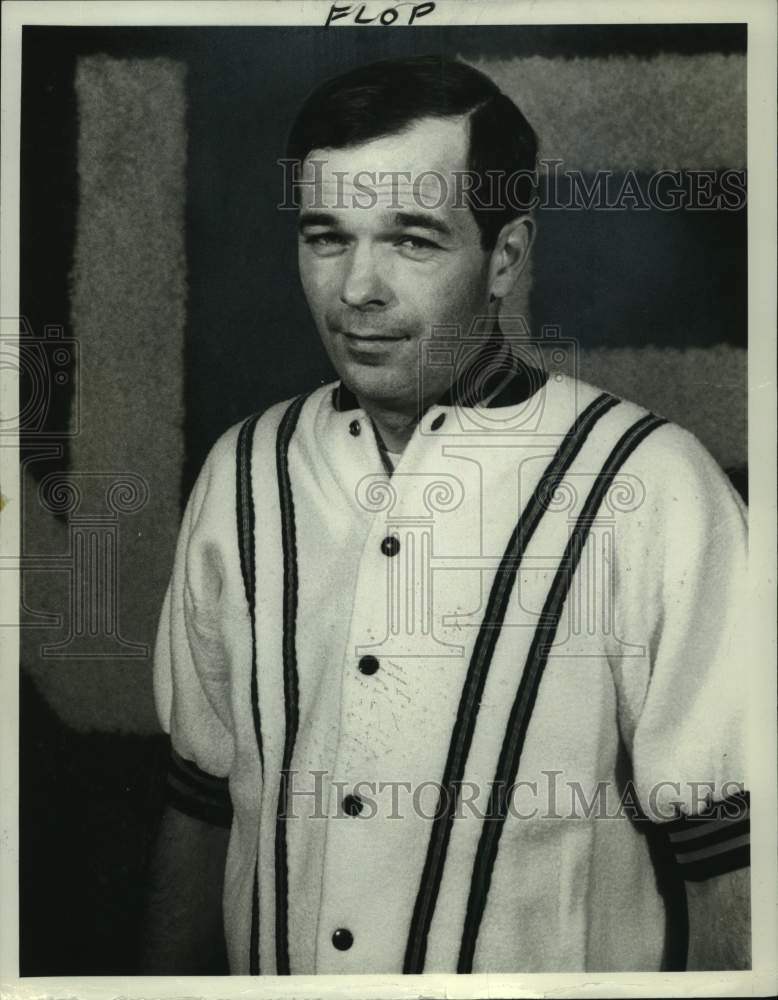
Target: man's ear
[510,255]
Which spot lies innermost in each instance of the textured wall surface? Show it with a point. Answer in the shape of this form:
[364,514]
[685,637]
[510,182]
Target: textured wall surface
[626,113]
[641,291]
[128,298]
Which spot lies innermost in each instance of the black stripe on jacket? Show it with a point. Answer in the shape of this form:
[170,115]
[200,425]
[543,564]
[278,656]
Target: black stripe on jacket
[521,711]
[714,841]
[245,520]
[291,682]
[467,713]
[197,793]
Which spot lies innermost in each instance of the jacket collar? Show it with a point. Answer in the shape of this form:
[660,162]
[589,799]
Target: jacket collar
[491,377]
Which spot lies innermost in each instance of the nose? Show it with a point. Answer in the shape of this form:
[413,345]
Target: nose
[363,286]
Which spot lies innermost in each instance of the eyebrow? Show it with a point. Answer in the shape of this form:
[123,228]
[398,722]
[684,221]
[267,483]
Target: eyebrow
[316,219]
[402,220]
[421,220]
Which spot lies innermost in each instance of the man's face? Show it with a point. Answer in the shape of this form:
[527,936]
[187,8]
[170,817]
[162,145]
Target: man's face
[378,277]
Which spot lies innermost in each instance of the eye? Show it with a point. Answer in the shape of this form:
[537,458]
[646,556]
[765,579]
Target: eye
[418,246]
[324,243]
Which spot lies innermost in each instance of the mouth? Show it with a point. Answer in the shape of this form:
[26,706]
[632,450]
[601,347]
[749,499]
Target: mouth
[366,339]
[372,348]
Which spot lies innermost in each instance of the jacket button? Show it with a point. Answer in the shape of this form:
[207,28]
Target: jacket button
[390,546]
[342,939]
[368,664]
[437,423]
[354,428]
[353,805]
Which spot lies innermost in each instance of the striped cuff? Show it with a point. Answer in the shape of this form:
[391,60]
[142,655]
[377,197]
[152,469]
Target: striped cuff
[198,793]
[713,842]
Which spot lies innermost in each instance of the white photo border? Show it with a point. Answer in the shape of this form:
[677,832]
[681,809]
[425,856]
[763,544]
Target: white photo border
[760,16]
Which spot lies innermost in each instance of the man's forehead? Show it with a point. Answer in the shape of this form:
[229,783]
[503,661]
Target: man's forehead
[415,168]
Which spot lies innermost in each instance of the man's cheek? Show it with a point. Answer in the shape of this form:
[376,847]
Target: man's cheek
[443,304]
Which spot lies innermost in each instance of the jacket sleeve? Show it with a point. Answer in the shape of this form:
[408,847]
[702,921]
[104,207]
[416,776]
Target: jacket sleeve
[681,586]
[191,660]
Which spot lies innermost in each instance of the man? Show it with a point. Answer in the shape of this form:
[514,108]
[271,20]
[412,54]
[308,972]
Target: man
[373,628]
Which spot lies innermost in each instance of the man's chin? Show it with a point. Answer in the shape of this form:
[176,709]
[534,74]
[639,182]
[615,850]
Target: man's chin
[372,384]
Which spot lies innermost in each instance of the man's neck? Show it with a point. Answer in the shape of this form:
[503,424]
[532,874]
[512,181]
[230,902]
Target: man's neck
[396,429]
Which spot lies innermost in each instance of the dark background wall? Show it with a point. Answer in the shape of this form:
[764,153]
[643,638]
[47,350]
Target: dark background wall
[150,235]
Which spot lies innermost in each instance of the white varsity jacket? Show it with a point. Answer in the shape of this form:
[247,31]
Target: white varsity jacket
[484,714]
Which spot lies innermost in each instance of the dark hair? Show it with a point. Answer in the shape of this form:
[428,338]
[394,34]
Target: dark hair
[383,98]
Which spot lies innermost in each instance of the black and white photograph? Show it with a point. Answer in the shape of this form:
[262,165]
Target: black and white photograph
[388,499]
